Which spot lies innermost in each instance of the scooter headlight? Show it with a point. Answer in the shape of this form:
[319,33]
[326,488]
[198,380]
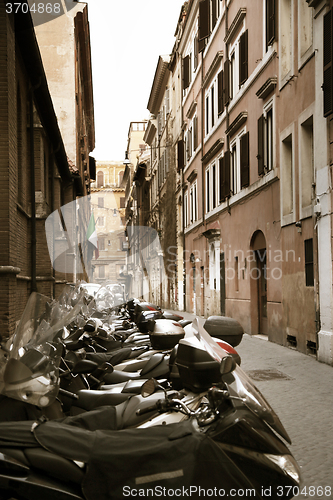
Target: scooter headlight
[286,463]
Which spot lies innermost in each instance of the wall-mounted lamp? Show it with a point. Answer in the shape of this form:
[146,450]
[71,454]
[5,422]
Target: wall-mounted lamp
[126,161]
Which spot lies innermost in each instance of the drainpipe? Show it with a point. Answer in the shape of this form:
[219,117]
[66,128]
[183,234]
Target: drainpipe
[51,163]
[33,196]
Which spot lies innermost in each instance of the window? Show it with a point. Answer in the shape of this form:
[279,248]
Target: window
[189,144]
[211,188]
[270,22]
[287,177]
[212,104]
[167,101]
[235,185]
[187,71]
[308,253]
[239,163]
[122,202]
[100,202]
[304,31]
[209,13]
[120,177]
[237,67]
[285,39]
[101,244]
[100,179]
[101,271]
[193,203]
[306,166]
[100,221]
[180,155]
[191,138]
[265,141]
[224,172]
[185,209]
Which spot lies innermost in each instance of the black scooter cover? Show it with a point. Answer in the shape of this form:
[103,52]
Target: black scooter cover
[132,461]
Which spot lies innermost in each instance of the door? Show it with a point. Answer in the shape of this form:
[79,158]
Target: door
[262,290]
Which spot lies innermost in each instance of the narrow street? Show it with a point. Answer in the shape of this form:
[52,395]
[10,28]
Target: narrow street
[297,387]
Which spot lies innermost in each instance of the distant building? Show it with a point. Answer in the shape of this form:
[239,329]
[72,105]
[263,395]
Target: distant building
[108,206]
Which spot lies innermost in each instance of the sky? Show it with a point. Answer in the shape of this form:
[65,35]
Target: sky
[127,37]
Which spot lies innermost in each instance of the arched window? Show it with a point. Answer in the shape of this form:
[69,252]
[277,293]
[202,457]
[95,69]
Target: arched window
[100,179]
[120,177]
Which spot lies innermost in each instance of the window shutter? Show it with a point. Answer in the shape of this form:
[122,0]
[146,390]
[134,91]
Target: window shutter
[245,164]
[186,72]
[214,18]
[308,251]
[224,166]
[243,57]
[180,154]
[226,91]
[270,22]
[201,44]
[195,132]
[220,92]
[195,52]
[203,19]
[260,155]
[327,85]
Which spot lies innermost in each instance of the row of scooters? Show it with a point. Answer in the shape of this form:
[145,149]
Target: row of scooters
[100,400]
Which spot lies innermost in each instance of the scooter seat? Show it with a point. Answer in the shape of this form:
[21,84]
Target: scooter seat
[90,399]
[154,361]
[54,465]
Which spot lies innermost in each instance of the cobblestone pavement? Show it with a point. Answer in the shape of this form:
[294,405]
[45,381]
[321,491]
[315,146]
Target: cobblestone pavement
[299,388]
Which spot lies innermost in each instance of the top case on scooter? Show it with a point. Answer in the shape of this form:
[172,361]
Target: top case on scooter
[166,334]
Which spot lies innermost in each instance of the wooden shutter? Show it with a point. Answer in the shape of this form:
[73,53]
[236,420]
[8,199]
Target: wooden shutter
[270,22]
[214,17]
[203,19]
[224,166]
[195,132]
[186,72]
[308,251]
[220,92]
[244,158]
[243,57]
[180,154]
[327,84]
[260,155]
[195,53]
[226,90]
[201,44]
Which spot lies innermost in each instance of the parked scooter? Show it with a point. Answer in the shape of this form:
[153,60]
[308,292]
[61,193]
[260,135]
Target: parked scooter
[231,442]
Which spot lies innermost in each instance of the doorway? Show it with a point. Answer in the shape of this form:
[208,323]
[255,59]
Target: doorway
[258,273]
[262,290]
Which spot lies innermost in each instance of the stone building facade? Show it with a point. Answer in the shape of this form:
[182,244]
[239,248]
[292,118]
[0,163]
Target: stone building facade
[251,166]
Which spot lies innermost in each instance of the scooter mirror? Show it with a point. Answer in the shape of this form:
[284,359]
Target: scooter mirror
[228,364]
[149,387]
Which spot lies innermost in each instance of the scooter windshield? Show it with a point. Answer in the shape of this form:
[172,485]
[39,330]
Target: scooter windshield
[241,385]
[30,371]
